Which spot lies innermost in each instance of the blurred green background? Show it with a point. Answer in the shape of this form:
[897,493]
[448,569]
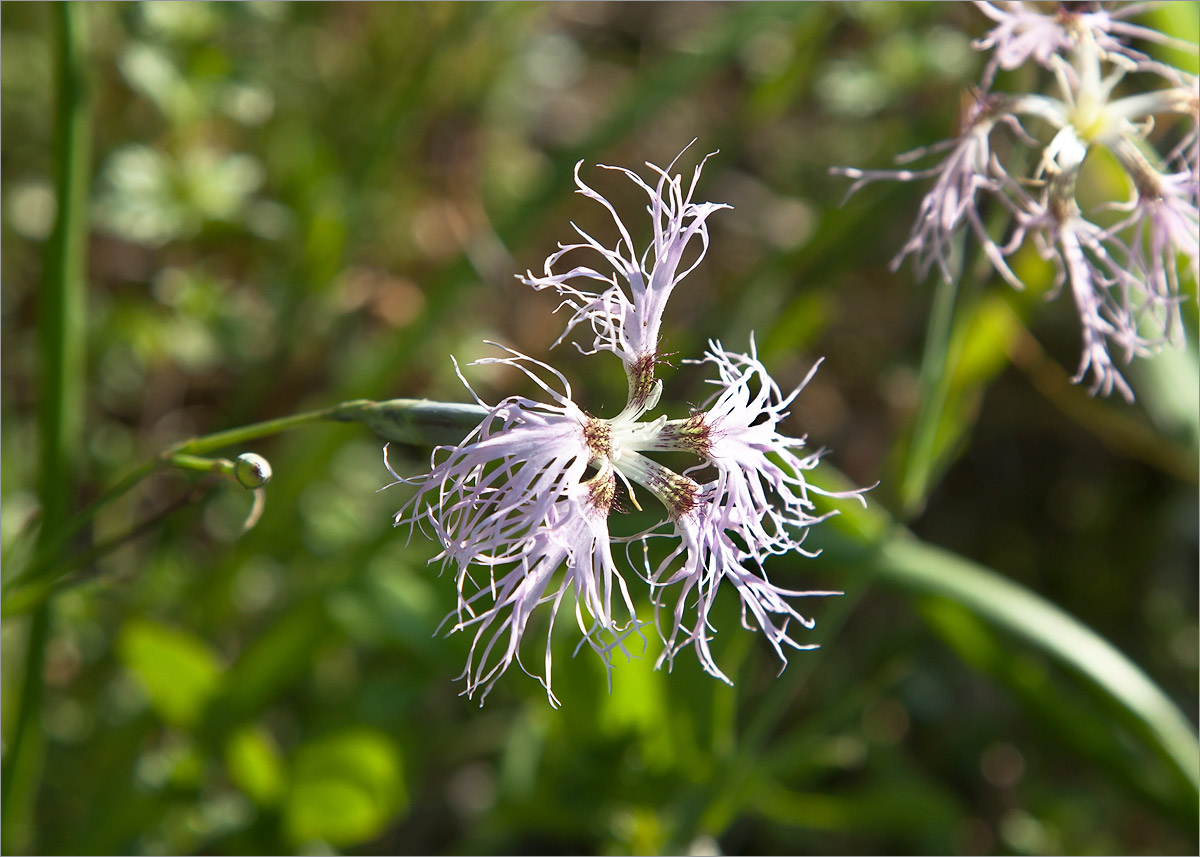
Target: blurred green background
[297,204]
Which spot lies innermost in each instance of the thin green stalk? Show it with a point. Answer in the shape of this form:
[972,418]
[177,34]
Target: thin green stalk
[254,431]
[70,570]
[897,558]
[411,421]
[51,548]
[414,421]
[199,464]
[934,388]
[909,563]
[60,417]
[23,760]
[952,304]
[185,455]
[711,811]
[1123,432]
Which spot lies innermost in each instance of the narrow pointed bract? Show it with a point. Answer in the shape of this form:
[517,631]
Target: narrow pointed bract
[521,507]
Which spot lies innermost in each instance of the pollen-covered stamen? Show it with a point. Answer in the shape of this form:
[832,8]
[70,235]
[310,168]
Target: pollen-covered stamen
[642,385]
[601,492]
[677,493]
[597,434]
[693,435]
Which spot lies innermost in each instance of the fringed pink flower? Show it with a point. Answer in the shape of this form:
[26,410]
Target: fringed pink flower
[1124,276]
[521,507]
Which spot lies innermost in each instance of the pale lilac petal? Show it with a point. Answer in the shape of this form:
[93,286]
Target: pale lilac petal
[574,536]
[710,553]
[758,506]
[625,313]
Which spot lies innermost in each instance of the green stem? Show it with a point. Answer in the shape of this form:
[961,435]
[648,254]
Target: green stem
[50,549]
[28,596]
[1122,432]
[184,455]
[866,542]
[60,418]
[713,811]
[411,421]
[907,562]
[940,360]
[202,465]
[934,390]
[23,761]
[897,558]
[254,431]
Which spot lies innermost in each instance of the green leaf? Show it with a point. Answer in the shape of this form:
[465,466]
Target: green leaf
[911,807]
[278,657]
[863,540]
[906,561]
[149,70]
[963,356]
[179,671]
[1083,725]
[255,765]
[345,789]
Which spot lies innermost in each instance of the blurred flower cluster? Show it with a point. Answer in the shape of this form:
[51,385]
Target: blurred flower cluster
[532,487]
[1121,260]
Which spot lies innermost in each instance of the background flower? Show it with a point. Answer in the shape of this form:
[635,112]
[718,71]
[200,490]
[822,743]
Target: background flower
[1123,294]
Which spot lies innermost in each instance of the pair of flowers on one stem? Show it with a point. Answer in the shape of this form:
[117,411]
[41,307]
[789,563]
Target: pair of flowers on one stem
[533,487]
[1123,276]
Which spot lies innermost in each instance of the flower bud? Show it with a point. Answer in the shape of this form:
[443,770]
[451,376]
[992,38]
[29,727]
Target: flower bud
[251,470]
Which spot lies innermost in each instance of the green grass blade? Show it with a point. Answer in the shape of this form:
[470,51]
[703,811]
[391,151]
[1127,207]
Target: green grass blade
[922,459]
[864,540]
[60,418]
[922,568]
